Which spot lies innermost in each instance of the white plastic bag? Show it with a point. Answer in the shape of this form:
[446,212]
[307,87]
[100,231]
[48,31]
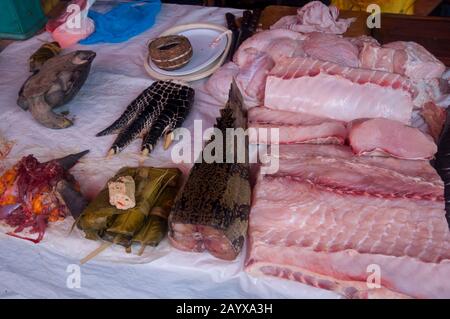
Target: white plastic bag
[73,25]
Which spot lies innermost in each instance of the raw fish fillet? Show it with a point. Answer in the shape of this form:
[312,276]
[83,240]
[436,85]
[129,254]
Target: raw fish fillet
[328,90]
[362,40]
[406,58]
[276,43]
[434,117]
[325,133]
[328,219]
[250,78]
[383,137]
[218,85]
[421,169]
[252,75]
[264,115]
[332,48]
[315,16]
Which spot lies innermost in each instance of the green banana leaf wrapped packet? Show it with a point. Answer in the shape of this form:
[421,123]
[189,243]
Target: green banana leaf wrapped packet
[154,187]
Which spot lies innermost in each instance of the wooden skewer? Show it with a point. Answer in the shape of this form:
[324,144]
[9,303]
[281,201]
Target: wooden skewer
[95,253]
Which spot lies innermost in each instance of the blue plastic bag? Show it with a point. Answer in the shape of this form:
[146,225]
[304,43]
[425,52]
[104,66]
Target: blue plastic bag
[123,22]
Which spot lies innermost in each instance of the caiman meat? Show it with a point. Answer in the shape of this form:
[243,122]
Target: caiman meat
[211,213]
[58,80]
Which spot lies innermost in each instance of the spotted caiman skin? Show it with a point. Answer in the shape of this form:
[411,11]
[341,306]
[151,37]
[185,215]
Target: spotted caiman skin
[218,195]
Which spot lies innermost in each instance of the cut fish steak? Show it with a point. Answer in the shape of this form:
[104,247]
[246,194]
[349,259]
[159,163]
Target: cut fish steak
[327,218]
[387,137]
[329,90]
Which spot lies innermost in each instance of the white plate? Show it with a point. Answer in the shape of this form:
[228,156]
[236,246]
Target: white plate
[204,53]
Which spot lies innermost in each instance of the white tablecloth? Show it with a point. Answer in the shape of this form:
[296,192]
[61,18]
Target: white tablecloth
[117,77]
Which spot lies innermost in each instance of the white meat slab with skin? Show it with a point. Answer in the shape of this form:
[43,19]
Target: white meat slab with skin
[406,58]
[264,115]
[332,48]
[328,90]
[326,217]
[324,133]
[276,43]
[383,137]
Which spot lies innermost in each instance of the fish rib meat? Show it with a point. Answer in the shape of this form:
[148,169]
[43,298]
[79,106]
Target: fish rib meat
[325,133]
[328,90]
[326,217]
[264,115]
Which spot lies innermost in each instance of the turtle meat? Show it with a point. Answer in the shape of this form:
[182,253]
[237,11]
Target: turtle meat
[58,80]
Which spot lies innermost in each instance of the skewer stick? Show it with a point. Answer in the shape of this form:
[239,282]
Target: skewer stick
[95,253]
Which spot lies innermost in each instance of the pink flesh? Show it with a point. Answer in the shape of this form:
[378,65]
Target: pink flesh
[406,58]
[328,90]
[325,133]
[276,43]
[218,85]
[198,238]
[420,63]
[373,136]
[264,115]
[252,75]
[326,216]
[332,48]
[435,117]
[363,40]
[421,169]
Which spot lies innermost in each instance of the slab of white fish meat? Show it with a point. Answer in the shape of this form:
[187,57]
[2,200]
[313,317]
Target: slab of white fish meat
[330,219]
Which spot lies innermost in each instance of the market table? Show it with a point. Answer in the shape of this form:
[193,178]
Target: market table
[46,270]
